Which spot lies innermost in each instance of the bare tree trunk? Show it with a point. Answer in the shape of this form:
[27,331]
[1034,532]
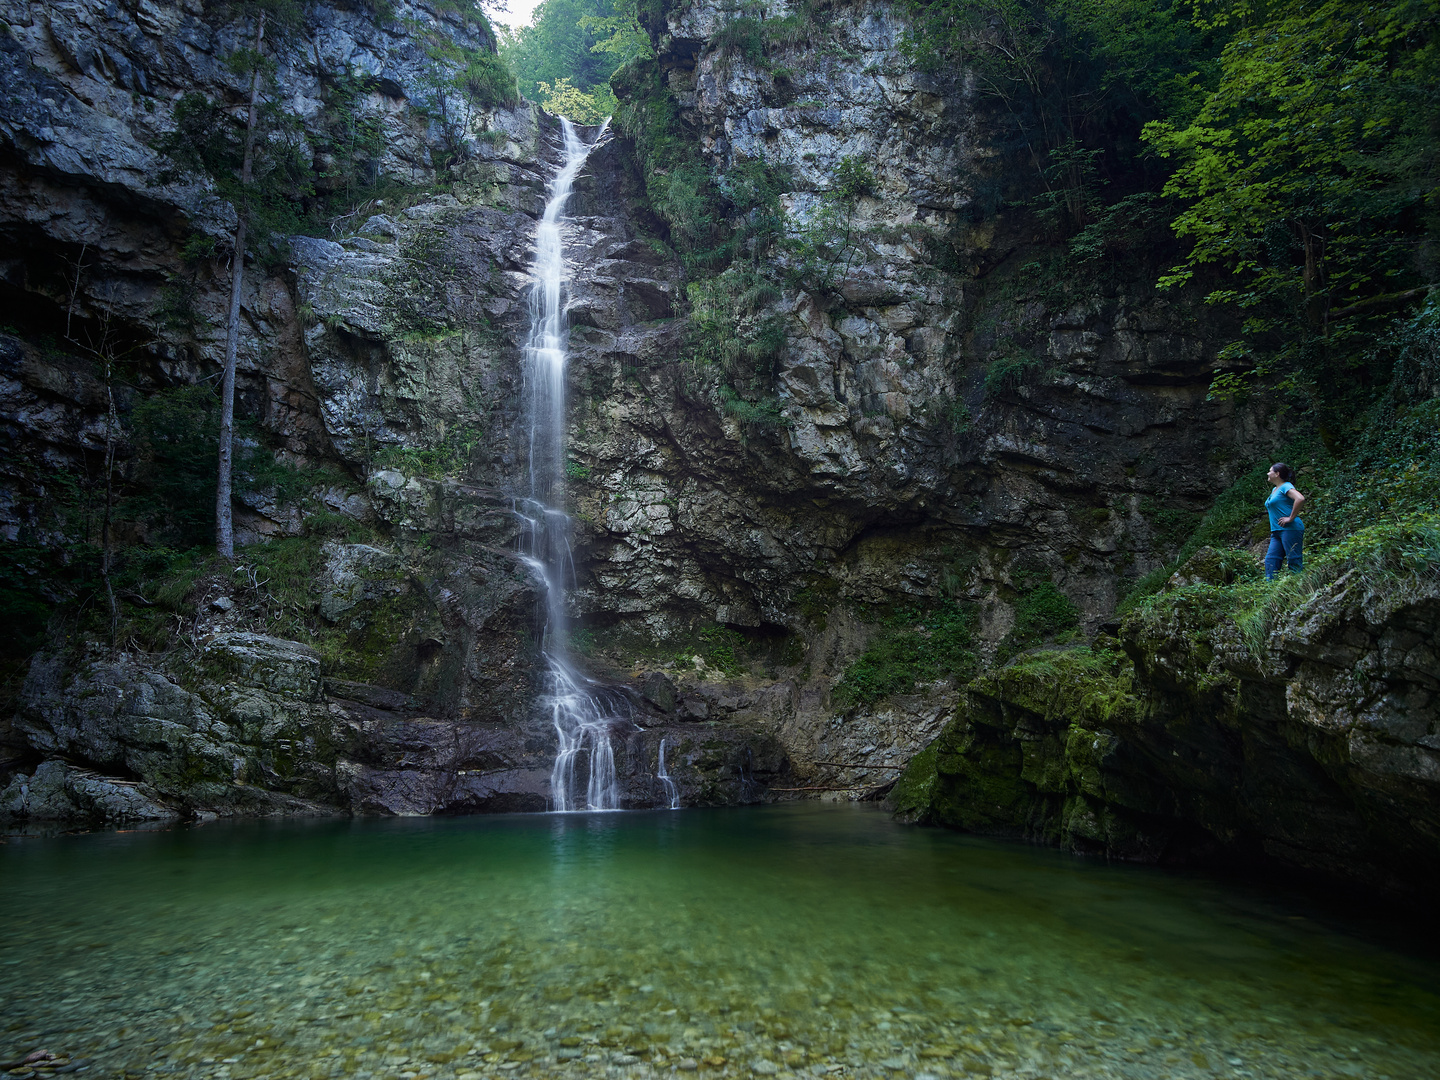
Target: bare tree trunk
[224,522]
[112,430]
[1311,277]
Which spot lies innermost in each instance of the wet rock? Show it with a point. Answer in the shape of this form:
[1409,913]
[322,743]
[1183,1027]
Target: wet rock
[659,691]
[60,792]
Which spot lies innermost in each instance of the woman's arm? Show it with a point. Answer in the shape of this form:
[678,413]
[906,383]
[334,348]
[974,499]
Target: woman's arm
[1294,506]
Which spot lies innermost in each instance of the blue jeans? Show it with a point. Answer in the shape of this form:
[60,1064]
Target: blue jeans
[1285,547]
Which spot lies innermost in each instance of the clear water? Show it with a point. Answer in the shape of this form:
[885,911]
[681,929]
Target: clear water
[813,940]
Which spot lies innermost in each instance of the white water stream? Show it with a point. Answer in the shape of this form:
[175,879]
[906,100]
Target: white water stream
[583,712]
[672,793]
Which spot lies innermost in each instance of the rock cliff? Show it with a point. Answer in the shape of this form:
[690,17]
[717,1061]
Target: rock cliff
[1314,745]
[961,446]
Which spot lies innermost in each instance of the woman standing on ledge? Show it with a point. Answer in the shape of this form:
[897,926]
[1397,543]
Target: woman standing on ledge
[1287,531]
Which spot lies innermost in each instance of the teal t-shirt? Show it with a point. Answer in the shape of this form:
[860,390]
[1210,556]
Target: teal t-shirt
[1279,504]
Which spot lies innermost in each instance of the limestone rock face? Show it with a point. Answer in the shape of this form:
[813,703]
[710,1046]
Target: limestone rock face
[246,744]
[90,243]
[899,467]
[58,793]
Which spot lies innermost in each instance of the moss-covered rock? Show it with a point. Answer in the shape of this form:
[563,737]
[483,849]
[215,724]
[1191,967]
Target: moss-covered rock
[1299,720]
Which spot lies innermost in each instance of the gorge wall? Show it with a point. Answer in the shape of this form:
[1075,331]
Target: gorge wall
[953,429]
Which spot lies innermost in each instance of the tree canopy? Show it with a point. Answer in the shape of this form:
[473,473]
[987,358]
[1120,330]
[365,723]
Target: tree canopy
[1309,169]
[565,57]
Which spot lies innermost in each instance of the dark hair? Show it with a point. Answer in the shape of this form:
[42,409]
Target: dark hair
[1283,471]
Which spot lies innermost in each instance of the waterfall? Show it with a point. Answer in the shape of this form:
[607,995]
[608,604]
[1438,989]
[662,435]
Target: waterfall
[671,791]
[582,711]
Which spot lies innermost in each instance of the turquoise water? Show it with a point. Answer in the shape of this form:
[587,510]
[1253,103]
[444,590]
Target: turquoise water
[808,940]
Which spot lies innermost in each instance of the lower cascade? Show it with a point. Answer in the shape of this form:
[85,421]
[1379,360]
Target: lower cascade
[672,793]
[582,711]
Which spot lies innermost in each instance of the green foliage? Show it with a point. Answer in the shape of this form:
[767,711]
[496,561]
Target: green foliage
[176,313]
[912,646]
[487,81]
[1391,464]
[1066,86]
[1042,612]
[576,471]
[172,492]
[562,99]
[1229,519]
[1387,475]
[351,138]
[956,417]
[579,41]
[1310,173]
[729,330]
[724,227]
[742,36]
[764,412]
[815,600]
[721,648]
[854,179]
[821,245]
[451,455]
[1012,369]
[176,434]
[205,144]
[621,34]
[1391,556]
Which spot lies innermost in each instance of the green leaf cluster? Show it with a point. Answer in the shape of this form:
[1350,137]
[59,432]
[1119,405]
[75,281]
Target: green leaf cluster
[1308,171]
[580,42]
[207,143]
[912,646]
[1042,612]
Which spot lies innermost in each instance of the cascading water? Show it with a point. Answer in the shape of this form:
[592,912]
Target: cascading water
[671,791]
[582,711]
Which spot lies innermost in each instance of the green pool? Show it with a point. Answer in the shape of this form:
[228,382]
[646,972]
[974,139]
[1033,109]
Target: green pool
[813,940]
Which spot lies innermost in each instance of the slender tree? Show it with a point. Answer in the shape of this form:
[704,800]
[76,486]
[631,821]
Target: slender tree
[224,519]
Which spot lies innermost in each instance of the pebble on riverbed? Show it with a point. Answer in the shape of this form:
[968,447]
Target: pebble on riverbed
[387,983]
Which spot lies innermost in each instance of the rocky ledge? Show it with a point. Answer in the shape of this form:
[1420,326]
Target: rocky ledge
[1315,745]
[247,724]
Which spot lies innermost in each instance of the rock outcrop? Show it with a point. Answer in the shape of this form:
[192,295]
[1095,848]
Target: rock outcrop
[1316,748]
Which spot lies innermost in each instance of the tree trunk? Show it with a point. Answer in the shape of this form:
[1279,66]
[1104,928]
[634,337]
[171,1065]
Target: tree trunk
[224,521]
[112,429]
[1314,302]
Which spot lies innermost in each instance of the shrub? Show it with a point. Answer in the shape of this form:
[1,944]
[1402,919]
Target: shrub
[1042,612]
[854,179]
[1012,369]
[487,81]
[915,647]
[745,36]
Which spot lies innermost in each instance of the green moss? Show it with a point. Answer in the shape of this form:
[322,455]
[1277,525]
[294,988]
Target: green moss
[1384,558]
[1026,741]
[815,601]
[911,797]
